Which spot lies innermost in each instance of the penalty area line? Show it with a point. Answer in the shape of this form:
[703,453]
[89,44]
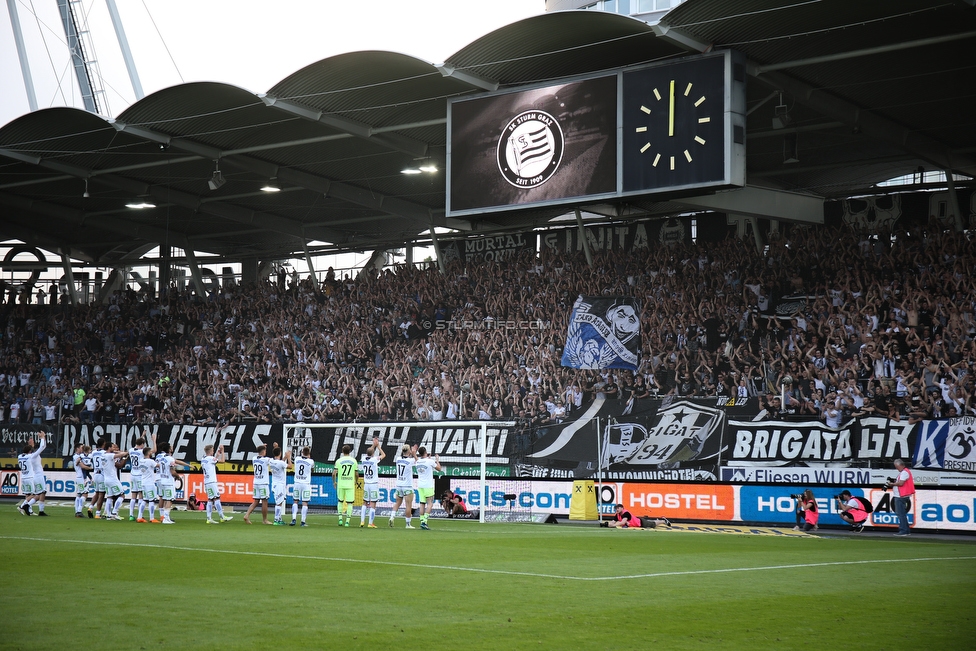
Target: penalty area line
[481,570]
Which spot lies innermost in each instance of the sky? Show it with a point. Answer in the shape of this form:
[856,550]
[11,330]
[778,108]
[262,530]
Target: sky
[249,43]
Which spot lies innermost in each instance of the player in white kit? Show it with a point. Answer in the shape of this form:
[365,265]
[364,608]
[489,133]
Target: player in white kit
[136,454]
[114,491]
[32,476]
[279,482]
[369,467]
[301,492]
[425,484]
[98,459]
[404,485]
[262,489]
[81,460]
[150,470]
[209,465]
[167,469]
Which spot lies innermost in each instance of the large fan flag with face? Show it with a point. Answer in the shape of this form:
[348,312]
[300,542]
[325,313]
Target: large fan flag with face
[604,332]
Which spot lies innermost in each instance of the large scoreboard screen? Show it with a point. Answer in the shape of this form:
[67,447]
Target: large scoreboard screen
[657,129]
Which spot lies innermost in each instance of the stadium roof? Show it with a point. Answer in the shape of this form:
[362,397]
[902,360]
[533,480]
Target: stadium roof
[874,89]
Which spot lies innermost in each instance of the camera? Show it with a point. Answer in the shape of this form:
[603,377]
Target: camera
[796,496]
[837,497]
[889,482]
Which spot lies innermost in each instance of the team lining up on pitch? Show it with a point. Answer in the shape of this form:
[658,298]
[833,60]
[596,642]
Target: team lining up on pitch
[153,472]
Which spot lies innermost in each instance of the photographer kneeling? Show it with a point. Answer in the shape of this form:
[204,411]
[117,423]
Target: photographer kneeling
[853,510]
[807,514]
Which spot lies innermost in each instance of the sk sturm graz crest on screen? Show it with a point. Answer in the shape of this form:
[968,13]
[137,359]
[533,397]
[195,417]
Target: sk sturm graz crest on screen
[537,146]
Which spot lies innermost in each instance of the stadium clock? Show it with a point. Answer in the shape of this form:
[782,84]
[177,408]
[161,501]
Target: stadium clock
[676,125]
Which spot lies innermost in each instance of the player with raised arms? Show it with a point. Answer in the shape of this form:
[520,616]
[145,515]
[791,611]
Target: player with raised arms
[371,481]
[98,461]
[167,487]
[279,476]
[404,485]
[425,484]
[344,476]
[31,482]
[114,491]
[149,468]
[135,476]
[302,490]
[210,485]
[262,489]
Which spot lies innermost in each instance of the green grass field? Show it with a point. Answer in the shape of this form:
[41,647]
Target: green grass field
[83,584]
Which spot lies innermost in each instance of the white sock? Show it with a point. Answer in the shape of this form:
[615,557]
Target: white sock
[118,505]
[294,511]
[79,502]
[152,510]
[277,512]
[165,514]
[362,514]
[372,514]
[40,507]
[209,510]
[304,511]
[31,501]
[142,506]
[219,507]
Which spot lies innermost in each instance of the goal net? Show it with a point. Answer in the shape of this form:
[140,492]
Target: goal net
[477,460]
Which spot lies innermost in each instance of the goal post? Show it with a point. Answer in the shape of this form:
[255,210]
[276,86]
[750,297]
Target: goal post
[471,450]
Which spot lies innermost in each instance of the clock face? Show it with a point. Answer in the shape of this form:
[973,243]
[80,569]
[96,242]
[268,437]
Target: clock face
[674,125]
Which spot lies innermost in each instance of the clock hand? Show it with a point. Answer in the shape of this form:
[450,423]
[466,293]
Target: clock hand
[671,110]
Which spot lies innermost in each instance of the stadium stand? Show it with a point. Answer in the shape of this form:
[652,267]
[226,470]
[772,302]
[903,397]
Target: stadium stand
[857,323]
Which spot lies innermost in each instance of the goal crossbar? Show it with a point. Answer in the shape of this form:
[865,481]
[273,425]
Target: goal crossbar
[482,426]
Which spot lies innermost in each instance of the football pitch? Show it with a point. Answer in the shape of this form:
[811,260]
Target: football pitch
[72,583]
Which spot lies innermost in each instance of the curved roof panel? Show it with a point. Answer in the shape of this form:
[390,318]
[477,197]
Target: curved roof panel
[561,44]
[337,133]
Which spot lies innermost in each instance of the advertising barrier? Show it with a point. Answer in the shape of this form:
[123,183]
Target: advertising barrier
[234,488]
[680,501]
[9,483]
[543,496]
[761,474]
[949,510]
[946,510]
[774,504]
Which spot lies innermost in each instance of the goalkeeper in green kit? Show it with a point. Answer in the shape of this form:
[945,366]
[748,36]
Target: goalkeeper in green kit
[344,477]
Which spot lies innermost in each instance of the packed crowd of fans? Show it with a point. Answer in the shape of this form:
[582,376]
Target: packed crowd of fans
[843,324]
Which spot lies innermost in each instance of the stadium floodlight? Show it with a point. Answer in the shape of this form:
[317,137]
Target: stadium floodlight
[781,115]
[410,170]
[139,204]
[271,186]
[217,179]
